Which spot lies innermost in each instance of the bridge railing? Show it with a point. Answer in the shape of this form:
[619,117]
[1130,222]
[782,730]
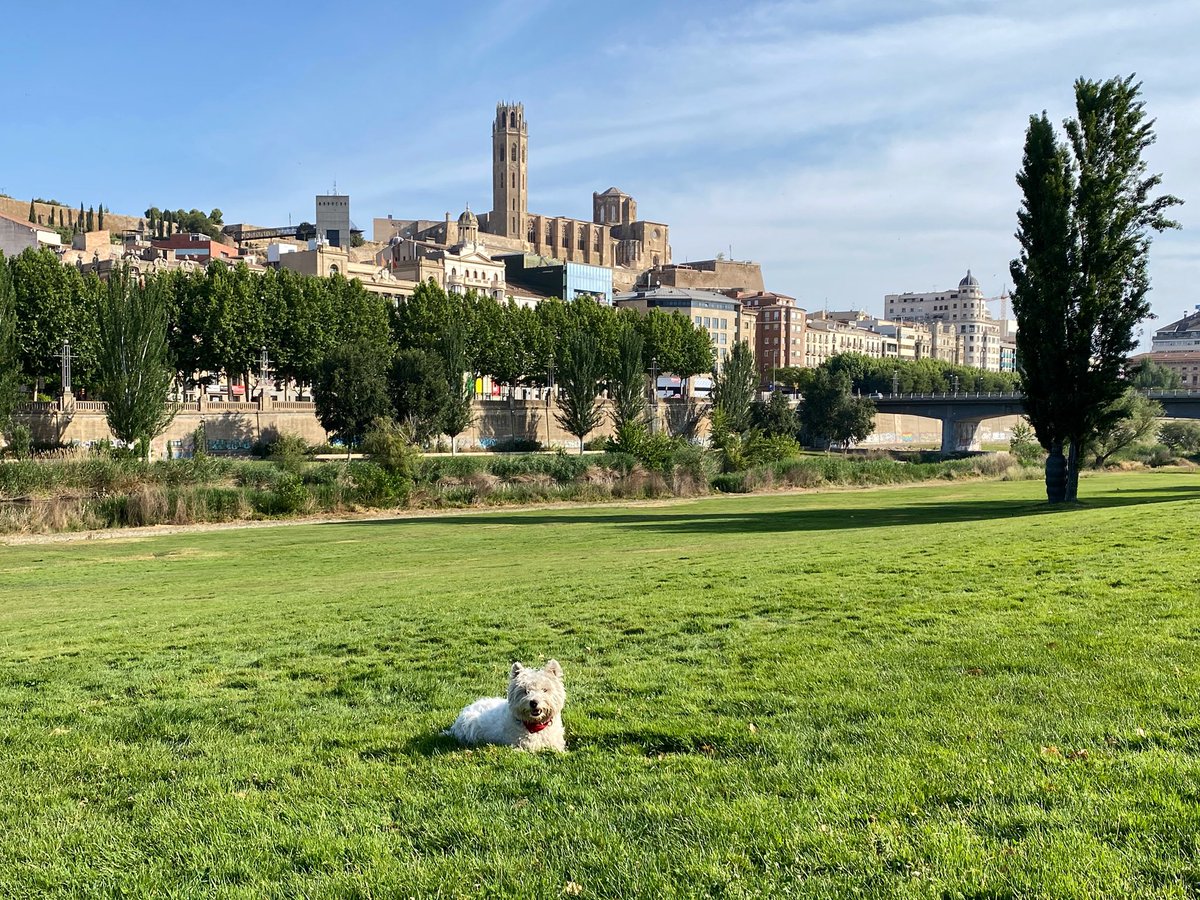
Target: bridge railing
[948,395]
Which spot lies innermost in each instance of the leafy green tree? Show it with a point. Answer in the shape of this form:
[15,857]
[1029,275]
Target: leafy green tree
[350,390]
[10,359]
[457,415]
[775,418]
[134,371]
[48,298]
[420,392]
[1181,436]
[579,373]
[735,385]
[1081,279]
[1150,376]
[1134,418]
[831,414]
[627,390]
[306,231]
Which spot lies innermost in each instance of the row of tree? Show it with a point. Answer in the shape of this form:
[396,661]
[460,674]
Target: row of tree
[222,317]
[69,223]
[166,222]
[870,375]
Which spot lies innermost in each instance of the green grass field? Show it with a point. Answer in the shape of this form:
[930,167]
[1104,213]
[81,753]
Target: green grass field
[934,691]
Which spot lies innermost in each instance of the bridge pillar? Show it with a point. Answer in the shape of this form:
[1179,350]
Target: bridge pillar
[958,434]
[948,435]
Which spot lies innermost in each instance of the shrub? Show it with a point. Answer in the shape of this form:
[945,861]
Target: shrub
[1182,437]
[288,496]
[290,451]
[515,445]
[372,485]
[1023,445]
[20,441]
[391,446]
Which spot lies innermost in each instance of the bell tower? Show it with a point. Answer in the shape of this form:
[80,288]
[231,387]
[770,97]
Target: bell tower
[510,192]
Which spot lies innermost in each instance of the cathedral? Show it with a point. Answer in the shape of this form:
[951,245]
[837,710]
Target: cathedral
[614,239]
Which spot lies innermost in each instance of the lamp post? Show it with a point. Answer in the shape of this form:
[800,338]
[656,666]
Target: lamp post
[895,381]
[954,383]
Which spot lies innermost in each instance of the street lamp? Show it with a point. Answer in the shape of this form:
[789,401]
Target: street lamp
[549,394]
[954,383]
[895,381]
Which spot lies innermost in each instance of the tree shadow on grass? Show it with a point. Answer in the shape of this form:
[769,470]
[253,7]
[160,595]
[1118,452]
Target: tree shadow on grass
[687,520]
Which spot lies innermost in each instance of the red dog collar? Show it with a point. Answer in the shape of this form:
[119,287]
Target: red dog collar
[535,727]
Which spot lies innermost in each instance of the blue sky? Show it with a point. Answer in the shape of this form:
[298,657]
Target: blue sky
[853,147]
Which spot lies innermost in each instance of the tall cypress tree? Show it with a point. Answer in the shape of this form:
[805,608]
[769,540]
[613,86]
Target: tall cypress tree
[1081,279]
[91,219]
[10,359]
[100,218]
[32,213]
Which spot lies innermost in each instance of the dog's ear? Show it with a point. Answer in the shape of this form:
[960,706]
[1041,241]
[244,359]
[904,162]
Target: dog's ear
[553,668]
[517,669]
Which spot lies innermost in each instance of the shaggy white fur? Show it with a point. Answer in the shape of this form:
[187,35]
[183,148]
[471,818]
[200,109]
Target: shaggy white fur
[530,718]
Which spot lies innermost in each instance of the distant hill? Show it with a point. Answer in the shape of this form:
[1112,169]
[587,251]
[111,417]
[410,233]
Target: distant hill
[19,209]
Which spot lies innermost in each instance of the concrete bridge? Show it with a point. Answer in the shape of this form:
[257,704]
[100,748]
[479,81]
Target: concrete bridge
[962,412]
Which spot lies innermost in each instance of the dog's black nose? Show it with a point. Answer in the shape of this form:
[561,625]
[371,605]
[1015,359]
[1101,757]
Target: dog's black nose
[533,705]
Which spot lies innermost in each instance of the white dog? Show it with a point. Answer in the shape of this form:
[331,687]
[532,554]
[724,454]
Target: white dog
[530,718]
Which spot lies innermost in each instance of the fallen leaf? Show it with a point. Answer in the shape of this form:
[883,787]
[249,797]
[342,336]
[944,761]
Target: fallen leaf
[753,730]
[572,889]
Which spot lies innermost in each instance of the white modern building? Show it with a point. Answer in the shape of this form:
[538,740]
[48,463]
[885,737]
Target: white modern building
[987,343]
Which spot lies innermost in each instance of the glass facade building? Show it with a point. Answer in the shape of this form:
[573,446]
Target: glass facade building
[568,281]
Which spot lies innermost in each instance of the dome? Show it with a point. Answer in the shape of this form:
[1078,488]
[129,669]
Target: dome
[969,281]
[468,219]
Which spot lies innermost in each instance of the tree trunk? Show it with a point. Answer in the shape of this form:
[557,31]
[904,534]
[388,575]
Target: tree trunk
[1073,471]
[1056,473]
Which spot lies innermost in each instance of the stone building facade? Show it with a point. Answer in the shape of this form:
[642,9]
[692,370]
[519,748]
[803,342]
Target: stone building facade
[987,343]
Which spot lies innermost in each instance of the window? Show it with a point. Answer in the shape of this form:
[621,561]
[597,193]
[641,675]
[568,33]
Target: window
[514,179]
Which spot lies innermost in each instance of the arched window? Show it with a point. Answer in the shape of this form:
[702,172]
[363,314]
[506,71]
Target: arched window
[500,153]
[333,270]
[514,179]
[514,152]
[512,121]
